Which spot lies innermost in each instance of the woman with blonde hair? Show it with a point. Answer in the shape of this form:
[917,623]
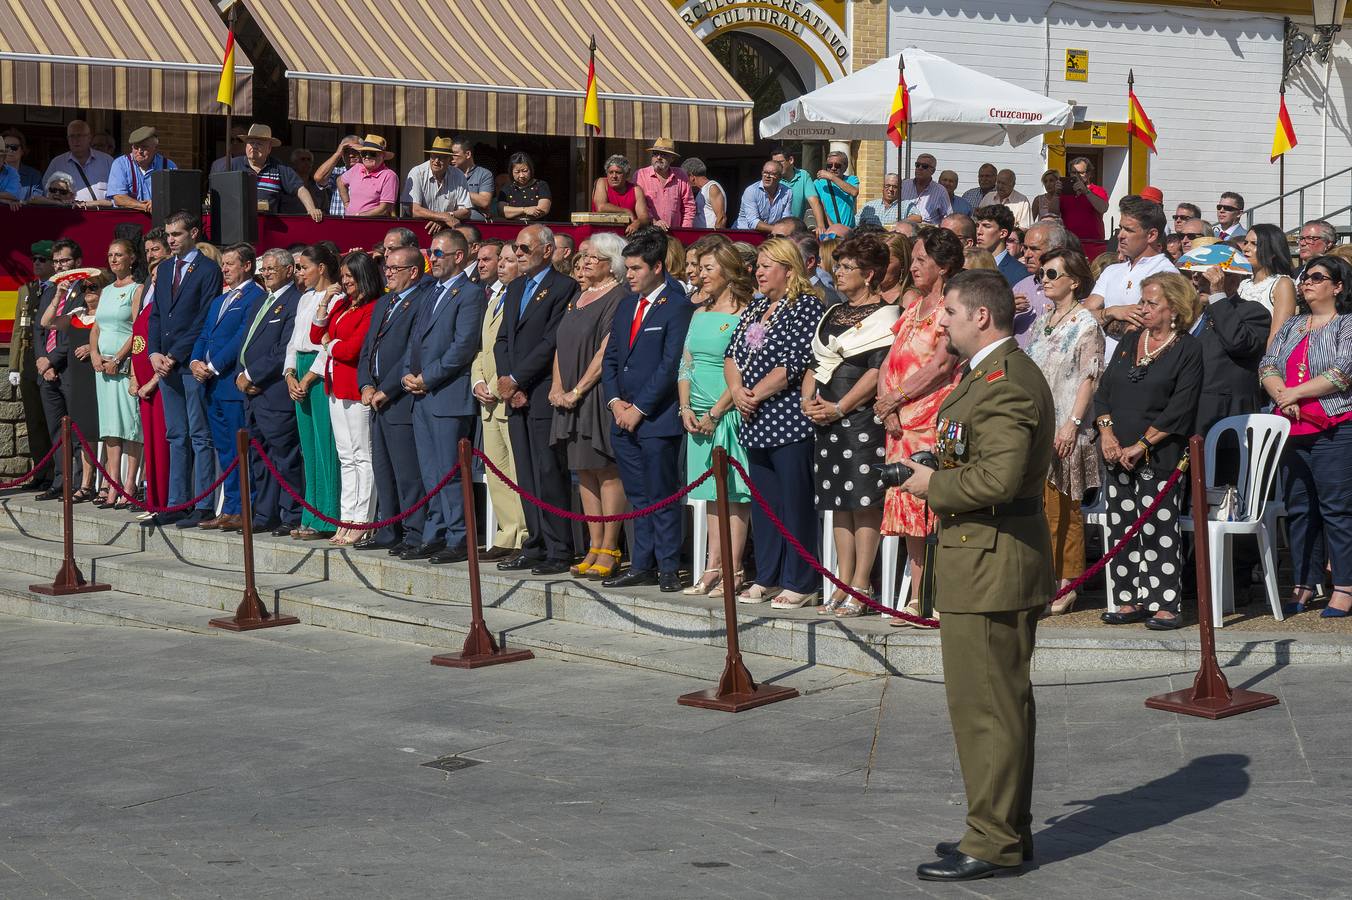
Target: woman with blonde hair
[706,399]
[897,280]
[764,364]
[976,258]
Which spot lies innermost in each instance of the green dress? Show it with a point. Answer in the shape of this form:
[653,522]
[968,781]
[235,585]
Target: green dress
[119,411]
[702,366]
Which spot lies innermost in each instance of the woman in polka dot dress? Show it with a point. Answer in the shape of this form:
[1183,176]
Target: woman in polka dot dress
[1144,409]
[851,342]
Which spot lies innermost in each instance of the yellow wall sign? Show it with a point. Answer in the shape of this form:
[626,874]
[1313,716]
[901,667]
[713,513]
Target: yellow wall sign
[1098,134]
[1077,65]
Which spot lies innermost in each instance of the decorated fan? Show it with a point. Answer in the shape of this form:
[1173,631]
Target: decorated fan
[75,275]
[1202,258]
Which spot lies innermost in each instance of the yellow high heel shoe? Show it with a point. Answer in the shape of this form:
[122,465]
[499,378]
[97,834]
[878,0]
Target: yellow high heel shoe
[584,567]
[598,571]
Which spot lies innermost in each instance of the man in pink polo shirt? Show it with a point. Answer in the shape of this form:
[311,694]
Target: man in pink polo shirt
[671,202]
[372,188]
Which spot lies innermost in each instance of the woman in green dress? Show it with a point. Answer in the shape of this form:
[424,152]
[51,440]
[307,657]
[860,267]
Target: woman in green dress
[110,345]
[317,267]
[706,400]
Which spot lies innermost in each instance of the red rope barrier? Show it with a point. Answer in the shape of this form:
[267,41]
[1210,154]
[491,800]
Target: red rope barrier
[354,526]
[122,491]
[582,517]
[6,485]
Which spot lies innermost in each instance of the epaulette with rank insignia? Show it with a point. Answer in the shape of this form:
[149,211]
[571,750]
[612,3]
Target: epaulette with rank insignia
[995,376]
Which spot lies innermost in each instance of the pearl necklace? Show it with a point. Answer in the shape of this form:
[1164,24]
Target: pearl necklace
[1148,356]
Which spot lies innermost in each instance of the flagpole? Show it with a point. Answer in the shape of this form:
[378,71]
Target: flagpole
[591,135]
[901,73]
[1281,175]
[230,110]
[1131,138]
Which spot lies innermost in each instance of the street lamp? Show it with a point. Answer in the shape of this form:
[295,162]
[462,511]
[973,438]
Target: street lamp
[1299,45]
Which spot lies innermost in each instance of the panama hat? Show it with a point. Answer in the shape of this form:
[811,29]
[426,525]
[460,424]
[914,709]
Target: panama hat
[440,147]
[375,142]
[259,132]
[664,145]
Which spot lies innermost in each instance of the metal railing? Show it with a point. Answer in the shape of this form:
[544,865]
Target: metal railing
[1330,193]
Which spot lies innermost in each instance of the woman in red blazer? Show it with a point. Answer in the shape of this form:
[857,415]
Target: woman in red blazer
[342,330]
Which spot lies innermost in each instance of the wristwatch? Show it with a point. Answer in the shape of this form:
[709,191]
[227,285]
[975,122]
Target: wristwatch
[1077,421]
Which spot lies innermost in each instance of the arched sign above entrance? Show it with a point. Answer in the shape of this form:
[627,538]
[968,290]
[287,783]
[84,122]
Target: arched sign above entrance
[813,35]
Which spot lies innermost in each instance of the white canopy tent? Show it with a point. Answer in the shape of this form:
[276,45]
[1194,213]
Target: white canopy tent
[950,104]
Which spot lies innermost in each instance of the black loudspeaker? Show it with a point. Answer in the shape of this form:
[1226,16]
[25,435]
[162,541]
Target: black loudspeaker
[172,190]
[234,208]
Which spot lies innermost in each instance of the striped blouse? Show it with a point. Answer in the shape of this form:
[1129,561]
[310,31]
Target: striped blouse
[1330,355]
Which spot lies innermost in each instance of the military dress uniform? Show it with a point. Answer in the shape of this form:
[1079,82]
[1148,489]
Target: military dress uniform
[23,361]
[993,577]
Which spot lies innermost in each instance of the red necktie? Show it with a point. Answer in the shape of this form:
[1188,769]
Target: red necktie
[638,319]
[51,335]
[178,275]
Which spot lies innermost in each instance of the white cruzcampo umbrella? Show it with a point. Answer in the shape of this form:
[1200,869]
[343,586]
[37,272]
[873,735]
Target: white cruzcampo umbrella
[950,104]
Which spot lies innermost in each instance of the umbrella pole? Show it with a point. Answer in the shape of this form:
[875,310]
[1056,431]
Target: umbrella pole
[1131,137]
[906,167]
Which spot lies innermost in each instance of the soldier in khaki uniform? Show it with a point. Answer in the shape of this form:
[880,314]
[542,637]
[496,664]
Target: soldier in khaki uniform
[994,570]
[23,372]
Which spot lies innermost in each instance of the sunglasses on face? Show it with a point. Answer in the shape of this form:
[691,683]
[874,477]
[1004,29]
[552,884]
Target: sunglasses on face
[1045,275]
[1316,278]
[1221,207]
[1181,217]
[42,259]
[13,148]
[370,154]
[523,248]
[1189,235]
[438,253]
[398,268]
[924,165]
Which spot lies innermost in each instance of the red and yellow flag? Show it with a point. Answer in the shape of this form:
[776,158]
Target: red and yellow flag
[1284,138]
[591,108]
[900,118]
[225,93]
[1138,123]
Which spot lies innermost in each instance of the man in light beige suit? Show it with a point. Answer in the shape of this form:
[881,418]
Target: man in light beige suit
[497,269]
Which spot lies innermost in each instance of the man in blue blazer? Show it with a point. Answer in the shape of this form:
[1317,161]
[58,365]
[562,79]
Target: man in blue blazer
[643,354]
[441,347]
[532,309]
[380,372]
[269,412]
[185,285]
[215,363]
[994,224]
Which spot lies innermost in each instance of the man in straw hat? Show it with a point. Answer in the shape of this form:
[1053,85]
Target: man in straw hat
[436,189]
[372,188]
[129,177]
[666,187]
[274,179]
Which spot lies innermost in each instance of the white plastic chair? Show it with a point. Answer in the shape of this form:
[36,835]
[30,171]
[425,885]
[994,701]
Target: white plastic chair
[699,538]
[887,550]
[1096,515]
[1261,438]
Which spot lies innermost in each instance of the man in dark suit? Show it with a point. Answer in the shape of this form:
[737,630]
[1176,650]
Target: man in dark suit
[441,349]
[524,352]
[647,338]
[215,363]
[269,412]
[54,356]
[23,346]
[994,224]
[394,454]
[185,285]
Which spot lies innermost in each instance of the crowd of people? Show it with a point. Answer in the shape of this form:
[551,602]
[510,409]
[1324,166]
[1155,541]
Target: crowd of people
[619,364]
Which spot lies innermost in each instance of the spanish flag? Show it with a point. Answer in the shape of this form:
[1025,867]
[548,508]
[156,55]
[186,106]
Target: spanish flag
[1284,138]
[225,93]
[591,109]
[900,117]
[1138,123]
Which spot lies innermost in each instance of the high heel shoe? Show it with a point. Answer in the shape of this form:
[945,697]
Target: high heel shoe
[584,567]
[793,600]
[599,571]
[1293,606]
[738,579]
[706,588]
[852,608]
[1331,612]
[832,603]
[1062,606]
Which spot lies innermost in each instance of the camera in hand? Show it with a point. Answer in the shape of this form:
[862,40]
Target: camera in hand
[896,474]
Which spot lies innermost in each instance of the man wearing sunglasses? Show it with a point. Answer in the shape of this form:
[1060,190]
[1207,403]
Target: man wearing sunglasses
[1189,230]
[129,179]
[274,179]
[922,196]
[328,172]
[23,372]
[837,191]
[1183,213]
[1228,211]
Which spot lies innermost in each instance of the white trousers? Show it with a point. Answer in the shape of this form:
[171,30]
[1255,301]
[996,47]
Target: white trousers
[352,437]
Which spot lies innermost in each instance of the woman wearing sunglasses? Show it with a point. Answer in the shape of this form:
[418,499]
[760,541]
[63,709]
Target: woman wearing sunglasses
[1067,344]
[1308,374]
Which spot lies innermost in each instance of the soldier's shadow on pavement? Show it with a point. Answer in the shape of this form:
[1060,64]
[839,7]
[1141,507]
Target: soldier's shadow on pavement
[1205,782]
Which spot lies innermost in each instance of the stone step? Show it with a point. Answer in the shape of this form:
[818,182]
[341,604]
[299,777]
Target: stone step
[373,593]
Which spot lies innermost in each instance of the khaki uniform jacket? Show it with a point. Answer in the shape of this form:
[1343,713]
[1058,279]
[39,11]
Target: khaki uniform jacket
[485,366]
[21,342]
[985,562]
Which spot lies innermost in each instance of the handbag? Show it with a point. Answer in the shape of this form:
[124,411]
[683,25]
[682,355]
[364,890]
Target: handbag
[1223,504]
[927,579]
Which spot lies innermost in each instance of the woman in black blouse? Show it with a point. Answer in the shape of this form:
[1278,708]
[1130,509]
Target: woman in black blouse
[770,351]
[1145,407]
[850,344]
[524,198]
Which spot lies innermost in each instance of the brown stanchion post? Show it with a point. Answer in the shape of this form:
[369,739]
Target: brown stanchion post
[69,579]
[736,690]
[251,612]
[480,649]
[1210,696]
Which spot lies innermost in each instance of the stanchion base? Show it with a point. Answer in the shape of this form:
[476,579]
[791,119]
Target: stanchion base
[60,590]
[1185,702]
[759,696]
[236,624]
[479,660]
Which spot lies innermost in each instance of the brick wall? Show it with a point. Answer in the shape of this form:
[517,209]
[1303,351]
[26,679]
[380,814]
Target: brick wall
[868,44]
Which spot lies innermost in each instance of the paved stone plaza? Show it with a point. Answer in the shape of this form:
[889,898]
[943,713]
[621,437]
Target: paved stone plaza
[143,763]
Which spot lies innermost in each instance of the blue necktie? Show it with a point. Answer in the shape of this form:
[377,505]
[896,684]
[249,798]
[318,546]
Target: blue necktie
[529,292]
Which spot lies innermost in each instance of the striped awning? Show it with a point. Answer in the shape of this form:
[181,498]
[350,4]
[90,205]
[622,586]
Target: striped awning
[97,55]
[490,65]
